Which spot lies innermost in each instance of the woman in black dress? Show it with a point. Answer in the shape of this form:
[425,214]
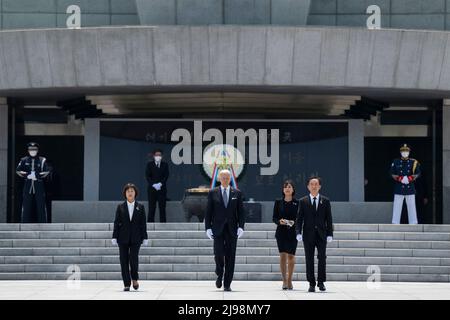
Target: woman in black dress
[284,215]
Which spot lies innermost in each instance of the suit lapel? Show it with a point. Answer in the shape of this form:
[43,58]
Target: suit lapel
[127,214]
[219,190]
[310,204]
[135,211]
[125,211]
[229,197]
[320,204]
[232,192]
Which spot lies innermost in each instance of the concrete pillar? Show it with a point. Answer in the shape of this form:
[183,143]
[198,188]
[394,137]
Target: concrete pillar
[446,161]
[356,160]
[91,160]
[3,159]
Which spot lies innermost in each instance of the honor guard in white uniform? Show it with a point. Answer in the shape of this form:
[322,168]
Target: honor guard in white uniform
[404,172]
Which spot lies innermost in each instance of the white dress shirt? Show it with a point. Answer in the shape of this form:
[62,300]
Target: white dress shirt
[130,209]
[158,164]
[311,198]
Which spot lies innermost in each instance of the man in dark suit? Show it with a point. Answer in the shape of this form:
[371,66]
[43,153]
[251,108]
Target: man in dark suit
[157,173]
[130,231]
[224,222]
[315,228]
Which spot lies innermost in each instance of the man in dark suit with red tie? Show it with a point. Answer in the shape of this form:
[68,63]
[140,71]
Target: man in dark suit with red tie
[315,227]
[157,173]
[224,222]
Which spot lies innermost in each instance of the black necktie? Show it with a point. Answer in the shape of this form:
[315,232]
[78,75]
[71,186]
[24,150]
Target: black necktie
[314,203]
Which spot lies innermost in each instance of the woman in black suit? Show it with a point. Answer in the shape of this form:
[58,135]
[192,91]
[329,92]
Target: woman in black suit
[130,231]
[284,216]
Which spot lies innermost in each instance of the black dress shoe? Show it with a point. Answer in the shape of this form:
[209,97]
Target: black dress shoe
[227,289]
[321,287]
[135,285]
[126,289]
[219,282]
[312,288]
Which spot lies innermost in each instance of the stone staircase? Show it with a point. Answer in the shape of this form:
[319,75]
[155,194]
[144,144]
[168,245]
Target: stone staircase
[181,251]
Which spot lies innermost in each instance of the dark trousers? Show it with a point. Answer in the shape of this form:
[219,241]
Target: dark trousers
[225,255]
[129,262]
[153,197]
[34,196]
[309,246]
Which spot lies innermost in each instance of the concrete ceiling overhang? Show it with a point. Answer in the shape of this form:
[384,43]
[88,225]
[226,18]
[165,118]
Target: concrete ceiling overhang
[222,102]
[60,63]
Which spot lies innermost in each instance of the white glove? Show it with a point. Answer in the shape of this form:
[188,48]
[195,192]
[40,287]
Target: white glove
[329,239]
[145,242]
[32,176]
[114,242]
[240,232]
[290,223]
[405,180]
[157,186]
[299,237]
[209,234]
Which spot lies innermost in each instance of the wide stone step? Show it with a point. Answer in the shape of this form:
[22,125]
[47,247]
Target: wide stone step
[245,251]
[181,251]
[200,235]
[209,251]
[274,268]
[259,276]
[161,259]
[206,243]
[200,227]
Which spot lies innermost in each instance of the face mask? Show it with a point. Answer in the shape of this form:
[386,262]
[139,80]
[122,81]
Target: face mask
[405,154]
[158,158]
[33,153]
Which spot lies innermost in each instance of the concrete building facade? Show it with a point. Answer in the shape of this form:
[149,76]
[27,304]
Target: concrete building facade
[225,46]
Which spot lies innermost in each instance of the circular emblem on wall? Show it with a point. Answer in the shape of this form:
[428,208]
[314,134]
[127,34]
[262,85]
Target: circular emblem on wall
[222,156]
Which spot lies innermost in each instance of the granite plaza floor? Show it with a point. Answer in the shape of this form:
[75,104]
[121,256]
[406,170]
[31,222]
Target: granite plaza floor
[205,290]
